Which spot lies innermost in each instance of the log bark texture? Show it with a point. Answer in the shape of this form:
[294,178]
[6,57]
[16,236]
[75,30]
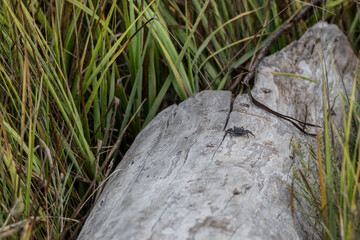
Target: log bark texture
[182,179]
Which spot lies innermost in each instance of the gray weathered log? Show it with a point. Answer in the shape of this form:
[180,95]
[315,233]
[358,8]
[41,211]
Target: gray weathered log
[181,179]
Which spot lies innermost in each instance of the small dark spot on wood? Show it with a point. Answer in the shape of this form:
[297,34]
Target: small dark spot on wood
[244,105]
[266,90]
[236,192]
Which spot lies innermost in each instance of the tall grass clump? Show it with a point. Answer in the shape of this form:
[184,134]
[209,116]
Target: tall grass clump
[80,79]
[328,184]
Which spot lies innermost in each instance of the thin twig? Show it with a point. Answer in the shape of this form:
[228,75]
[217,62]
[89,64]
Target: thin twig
[273,38]
[260,57]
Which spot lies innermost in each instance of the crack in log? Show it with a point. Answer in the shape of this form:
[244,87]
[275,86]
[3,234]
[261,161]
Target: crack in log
[185,160]
[225,125]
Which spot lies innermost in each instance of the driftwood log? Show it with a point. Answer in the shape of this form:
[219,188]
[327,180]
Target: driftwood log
[185,178]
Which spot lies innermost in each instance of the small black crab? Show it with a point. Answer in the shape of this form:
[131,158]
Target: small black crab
[239,131]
